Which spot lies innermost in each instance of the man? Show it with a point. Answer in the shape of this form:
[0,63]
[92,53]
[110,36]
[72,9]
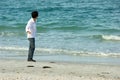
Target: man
[31,32]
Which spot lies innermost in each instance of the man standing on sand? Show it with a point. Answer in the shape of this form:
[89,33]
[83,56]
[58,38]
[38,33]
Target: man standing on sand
[31,32]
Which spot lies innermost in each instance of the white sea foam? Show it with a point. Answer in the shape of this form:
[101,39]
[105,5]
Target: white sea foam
[61,51]
[111,37]
[13,48]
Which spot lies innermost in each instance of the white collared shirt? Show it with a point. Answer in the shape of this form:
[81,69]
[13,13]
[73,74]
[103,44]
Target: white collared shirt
[31,26]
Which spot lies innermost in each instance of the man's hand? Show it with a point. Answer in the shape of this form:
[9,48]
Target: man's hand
[28,32]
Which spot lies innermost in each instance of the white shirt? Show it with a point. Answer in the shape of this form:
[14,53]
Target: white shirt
[31,26]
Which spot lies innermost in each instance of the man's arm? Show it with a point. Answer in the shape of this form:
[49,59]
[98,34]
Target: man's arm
[28,28]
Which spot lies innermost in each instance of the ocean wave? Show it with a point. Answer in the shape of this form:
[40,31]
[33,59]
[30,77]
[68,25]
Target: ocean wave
[76,28]
[9,34]
[102,29]
[56,8]
[61,52]
[64,28]
[105,37]
[48,9]
[111,37]
[16,27]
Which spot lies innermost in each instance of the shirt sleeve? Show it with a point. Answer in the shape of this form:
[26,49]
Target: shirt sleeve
[28,27]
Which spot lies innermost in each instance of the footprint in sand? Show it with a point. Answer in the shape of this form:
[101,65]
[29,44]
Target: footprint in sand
[46,67]
[101,75]
[105,73]
[30,66]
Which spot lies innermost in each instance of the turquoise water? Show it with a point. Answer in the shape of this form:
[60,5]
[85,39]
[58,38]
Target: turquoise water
[66,27]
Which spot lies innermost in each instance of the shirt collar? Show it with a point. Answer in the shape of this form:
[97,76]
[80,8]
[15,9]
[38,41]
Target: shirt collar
[32,20]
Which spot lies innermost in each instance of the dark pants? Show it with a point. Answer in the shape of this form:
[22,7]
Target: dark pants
[31,48]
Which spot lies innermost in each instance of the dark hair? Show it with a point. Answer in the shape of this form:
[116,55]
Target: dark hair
[34,14]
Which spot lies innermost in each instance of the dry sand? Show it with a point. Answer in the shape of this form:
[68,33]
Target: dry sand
[23,70]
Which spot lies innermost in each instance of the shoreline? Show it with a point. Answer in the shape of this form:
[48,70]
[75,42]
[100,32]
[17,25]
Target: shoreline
[66,59]
[23,70]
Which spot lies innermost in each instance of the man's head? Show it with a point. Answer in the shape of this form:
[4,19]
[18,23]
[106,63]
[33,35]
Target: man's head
[34,14]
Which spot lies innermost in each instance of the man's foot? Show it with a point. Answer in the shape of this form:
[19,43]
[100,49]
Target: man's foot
[32,60]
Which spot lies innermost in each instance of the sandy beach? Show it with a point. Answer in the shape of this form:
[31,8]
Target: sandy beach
[23,70]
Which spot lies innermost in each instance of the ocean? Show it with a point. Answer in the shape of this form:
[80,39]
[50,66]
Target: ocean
[67,30]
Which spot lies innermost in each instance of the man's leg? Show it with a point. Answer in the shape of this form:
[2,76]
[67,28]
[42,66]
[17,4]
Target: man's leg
[31,48]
